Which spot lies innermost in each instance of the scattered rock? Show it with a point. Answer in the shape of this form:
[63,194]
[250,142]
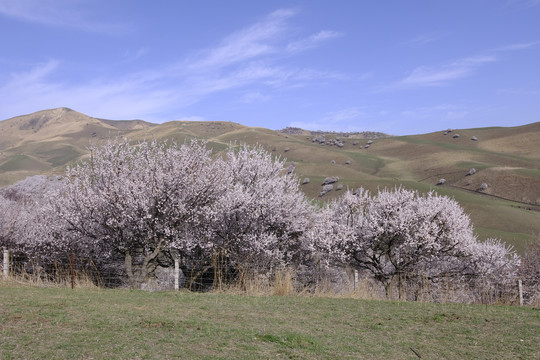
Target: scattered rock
[326,189]
[441,181]
[348,162]
[471,172]
[319,139]
[306,181]
[455,136]
[339,187]
[291,130]
[330,180]
[474,138]
[291,168]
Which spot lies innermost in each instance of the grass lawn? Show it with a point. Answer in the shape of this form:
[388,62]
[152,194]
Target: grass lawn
[60,323]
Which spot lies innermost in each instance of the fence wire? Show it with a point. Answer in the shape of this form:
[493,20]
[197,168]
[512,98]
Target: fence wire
[255,277]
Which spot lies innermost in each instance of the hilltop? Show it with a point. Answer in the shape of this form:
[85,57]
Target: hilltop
[505,159]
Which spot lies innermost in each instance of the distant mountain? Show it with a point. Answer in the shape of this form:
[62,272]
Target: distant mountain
[493,172]
[46,141]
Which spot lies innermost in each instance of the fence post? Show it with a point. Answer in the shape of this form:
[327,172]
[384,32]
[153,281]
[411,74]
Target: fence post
[72,270]
[355,279]
[6,263]
[176,274]
[520,290]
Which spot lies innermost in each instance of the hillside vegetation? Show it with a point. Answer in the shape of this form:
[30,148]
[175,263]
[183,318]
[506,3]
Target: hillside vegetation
[502,196]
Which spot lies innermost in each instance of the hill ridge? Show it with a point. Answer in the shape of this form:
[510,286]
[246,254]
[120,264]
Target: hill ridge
[505,159]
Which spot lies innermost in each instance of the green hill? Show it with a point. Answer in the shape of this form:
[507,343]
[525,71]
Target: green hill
[502,196]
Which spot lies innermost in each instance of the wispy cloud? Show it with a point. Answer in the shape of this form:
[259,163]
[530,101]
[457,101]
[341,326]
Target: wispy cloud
[445,74]
[131,96]
[347,119]
[516,46]
[519,91]
[247,44]
[254,97]
[56,13]
[313,40]
[250,59]
[426,76]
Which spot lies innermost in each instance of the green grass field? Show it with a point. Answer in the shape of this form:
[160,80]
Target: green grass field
[60,323]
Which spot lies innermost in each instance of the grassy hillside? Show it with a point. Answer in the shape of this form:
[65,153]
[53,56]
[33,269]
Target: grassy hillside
[506,159]
[60,323]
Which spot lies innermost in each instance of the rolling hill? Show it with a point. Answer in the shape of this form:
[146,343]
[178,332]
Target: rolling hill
[502,194]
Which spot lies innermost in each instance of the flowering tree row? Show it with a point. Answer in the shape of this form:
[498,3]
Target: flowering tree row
[152,202]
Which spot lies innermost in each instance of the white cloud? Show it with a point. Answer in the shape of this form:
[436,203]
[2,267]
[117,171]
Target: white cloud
[247,44]
[313,40]
[243,59]
[519,91]
[424,76]
[129,97]
[348,119]
[34,76]
[57,13]
[254,97]
[516,46]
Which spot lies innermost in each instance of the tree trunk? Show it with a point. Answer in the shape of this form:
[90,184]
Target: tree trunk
[137,275]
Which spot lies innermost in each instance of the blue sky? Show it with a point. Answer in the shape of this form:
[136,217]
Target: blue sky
[401,67]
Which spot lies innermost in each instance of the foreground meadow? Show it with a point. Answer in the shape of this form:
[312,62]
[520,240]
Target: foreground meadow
[61,323]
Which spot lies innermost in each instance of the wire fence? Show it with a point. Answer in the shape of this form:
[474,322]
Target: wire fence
[255,278]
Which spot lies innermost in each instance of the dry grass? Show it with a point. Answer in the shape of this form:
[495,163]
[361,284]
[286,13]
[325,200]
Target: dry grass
[60,278]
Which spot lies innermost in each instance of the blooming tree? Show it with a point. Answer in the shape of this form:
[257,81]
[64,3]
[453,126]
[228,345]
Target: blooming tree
[262,214]
[153,201]
[402,233]
[25,219]
[139,200]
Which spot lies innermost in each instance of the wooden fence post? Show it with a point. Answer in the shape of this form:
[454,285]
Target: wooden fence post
[72,270]
[520,290]
[355,279]
[6,263]
[176,274]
